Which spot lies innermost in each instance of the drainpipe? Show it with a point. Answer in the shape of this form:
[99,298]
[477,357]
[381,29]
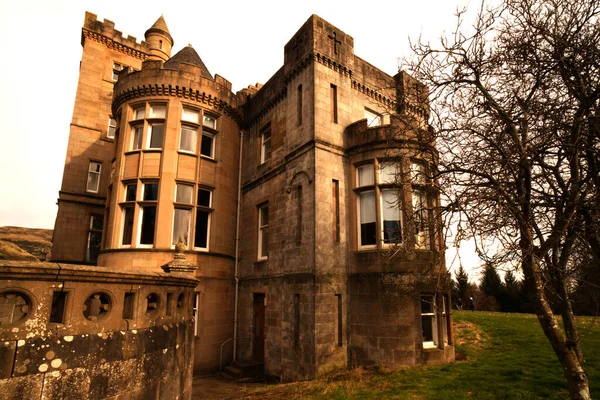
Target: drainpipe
[237,249]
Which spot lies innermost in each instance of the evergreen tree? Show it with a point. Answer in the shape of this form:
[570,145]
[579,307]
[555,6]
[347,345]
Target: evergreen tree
[461,286]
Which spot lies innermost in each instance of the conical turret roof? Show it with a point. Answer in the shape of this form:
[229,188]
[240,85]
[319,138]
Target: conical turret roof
[188,55]
[160,26]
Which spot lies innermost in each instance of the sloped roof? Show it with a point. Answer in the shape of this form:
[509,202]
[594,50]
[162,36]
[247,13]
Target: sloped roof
[188,55]
[160,26]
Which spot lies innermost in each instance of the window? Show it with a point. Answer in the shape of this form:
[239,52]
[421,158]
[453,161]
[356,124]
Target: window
[136,138]
[379,208]
[190,115]
[203,213]
[154,125]
[429,321]
[207,147]
[373,118]
[148,213]
[335,194]
[58,308]
[127,225]
[340,326]
[420,204]
[94,238]
[93,179]
[130,191]
[263,237]
[265,144]
[209,126]
[334,105]
[155,136]
[299,111]
[183,214]
[296,319]
[112,128]
[115,71]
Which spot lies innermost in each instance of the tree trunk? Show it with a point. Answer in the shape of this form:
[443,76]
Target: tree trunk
[577,379]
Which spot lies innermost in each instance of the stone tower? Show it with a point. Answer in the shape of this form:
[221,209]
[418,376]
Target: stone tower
[159,41]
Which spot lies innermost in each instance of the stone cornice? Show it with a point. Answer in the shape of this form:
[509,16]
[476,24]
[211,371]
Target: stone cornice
[175,91]
[378,97]
[272,103]
[332,64]
[111,44]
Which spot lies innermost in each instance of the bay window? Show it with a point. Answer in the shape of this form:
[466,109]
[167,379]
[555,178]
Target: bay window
[379,204]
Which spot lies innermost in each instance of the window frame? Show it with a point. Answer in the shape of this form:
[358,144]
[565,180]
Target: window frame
[111,130]
[182,205]
[91,173]
[263,233]
[421,203]
[265,143]
[434,343]
[373,118]
[205,209]
[91,231]
[378,186]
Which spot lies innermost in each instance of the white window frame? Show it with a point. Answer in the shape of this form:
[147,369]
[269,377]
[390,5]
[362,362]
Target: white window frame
[265,144]
[262,232]
[93,173]
[117,67]
[430,344]
[207,210]
[373,118]
[190,129]
[206,121]
[123,219]
[112,128]
[212,137]
[149,136]
[181,204]
[186,112]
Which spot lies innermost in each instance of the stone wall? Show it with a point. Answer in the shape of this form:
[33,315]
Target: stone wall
[74,332]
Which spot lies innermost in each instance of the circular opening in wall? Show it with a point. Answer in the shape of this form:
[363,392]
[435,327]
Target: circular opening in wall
[96,306]
[152,302]
[14,308]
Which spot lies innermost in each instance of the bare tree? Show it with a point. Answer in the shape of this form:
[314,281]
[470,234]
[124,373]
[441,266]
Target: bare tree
[515,111]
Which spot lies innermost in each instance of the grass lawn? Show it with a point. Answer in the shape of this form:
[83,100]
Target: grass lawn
[500,356]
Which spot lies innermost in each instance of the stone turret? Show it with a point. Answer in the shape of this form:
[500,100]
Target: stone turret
[159,40]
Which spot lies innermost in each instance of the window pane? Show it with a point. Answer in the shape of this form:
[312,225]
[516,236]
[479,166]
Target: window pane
[368,229]
[158,111]
[188,139]
[201,234]
[264,216]
[112,128]
[418,174]
[373,119]
[139,113]
[190,115]
[181,226]
[136,142]
[148,222]
[392,232]
[96,222]
[264,241]
[206,148]
[130,190]
[389,172]
[127,225]
[156,136]
[93,247]
[150,191]
[209,122]
[204,197]
[93,179]
[184,194]
[427,321]
[421,217]
[365,175]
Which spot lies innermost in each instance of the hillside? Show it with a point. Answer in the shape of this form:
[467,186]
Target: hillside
[18,243]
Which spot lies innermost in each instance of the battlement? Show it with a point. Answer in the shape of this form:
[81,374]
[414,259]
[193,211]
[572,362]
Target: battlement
[92,28]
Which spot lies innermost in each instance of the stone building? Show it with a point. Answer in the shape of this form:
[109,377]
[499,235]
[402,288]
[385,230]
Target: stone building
[306,204]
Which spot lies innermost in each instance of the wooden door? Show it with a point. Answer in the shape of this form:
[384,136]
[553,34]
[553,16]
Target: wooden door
[258,327]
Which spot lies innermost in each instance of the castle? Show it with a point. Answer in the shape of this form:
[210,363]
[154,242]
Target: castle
[306,205]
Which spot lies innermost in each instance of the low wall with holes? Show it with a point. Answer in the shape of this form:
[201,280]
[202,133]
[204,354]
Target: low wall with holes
[81,332]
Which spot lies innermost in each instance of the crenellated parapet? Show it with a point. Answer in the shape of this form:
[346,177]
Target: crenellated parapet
[185,83]
[104,32]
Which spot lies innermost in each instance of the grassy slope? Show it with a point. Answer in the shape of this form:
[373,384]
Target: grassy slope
[18,243]
[503,356]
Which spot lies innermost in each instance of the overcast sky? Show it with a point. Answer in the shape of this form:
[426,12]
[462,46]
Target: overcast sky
[240,40]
